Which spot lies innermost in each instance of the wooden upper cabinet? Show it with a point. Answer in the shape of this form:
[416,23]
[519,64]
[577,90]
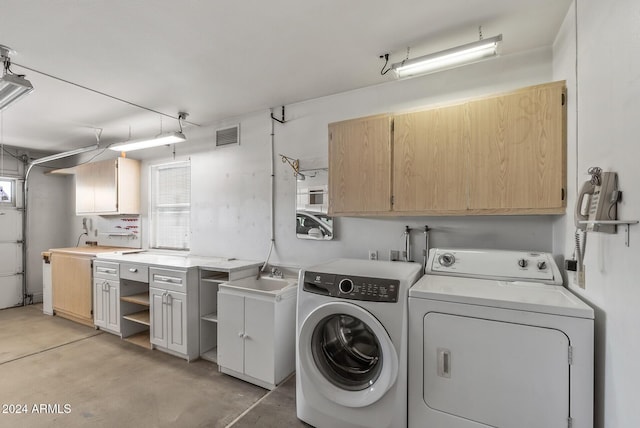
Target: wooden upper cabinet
[502,154]
[108,187]
[429,170]
[360,166]
[517,150]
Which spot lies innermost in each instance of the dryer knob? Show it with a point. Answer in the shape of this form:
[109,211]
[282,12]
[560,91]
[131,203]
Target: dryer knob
[523,263]
[345,286]
[542,265]
[447,259]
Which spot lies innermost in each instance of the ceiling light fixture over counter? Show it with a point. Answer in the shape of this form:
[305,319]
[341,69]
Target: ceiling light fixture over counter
[449,58]
[162,139]
[12,86]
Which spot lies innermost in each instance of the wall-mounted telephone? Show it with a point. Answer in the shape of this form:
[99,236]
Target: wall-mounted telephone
[598,201]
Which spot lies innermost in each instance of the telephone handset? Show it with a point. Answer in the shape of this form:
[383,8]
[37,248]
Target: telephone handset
[598,201]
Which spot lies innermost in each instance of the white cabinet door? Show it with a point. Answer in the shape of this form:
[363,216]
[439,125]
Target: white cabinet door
[231,331]
[176,307]
[496,373]
[112,300]
[158,327]
[259,339]
[99,303]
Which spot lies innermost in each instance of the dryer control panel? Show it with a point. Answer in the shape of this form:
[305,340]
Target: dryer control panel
[352,287]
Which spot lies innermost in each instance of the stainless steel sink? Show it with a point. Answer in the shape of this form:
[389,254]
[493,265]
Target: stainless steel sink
[263,284]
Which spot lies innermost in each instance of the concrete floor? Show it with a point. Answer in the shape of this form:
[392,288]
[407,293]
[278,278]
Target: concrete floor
[61,374]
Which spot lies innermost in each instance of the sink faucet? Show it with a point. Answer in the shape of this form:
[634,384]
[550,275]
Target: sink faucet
[276,273]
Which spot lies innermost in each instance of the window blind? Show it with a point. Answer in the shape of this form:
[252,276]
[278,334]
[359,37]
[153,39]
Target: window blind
[171,205]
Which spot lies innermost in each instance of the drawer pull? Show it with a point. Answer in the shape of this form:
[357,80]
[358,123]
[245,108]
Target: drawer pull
[106,270]
[133,270]
[169,279]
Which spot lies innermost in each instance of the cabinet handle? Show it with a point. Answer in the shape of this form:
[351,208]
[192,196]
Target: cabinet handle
[164,298]
[170,280]
[240,334]
[106,270]
[444,362]
[169,299]
[245,336]
[133,270]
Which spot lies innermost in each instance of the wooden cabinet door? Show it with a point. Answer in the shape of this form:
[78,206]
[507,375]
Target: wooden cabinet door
[177,322]
[158,324]
[85,196]
[105,186]
[259,342]
[517,150]
[231,331]
[429,169]
[72,285]
[360,166]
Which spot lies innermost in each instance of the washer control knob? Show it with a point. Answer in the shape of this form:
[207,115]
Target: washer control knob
[446,259]
[542,265]
[345,286]
[523,263]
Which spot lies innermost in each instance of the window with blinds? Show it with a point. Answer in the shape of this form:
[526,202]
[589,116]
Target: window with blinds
[170,205]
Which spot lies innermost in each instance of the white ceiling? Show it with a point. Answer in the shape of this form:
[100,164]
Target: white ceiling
[220,59]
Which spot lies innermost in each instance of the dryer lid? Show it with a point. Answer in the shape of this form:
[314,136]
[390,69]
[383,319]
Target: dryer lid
[518,295]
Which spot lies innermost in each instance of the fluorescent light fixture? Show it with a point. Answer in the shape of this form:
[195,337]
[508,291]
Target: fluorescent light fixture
[160,140]
[12,86]
[449,58]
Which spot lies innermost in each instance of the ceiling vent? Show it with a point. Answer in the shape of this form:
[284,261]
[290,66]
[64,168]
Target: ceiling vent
[228,136]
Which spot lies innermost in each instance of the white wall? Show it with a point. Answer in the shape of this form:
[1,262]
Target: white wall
[231,185]
[603,129]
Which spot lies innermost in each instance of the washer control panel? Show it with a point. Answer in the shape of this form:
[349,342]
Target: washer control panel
[352,287]
[495,264]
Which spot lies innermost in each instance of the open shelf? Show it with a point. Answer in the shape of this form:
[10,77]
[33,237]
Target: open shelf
[210,355]
[210,317]
[140,299]
[140,339]
[141,317]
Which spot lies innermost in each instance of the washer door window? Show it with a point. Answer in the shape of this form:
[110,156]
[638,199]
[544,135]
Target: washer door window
[347,354]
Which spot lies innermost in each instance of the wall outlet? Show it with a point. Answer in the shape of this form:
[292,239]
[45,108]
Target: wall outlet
[581,277]
[394,255]
[373,255]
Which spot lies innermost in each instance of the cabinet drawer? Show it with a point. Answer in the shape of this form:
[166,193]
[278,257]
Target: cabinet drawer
[134,272]
[167,279]
[106,270]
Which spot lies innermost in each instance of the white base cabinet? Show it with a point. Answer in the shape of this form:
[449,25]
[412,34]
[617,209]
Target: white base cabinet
[106,304]
[256,335]
[169,320]
[173,298]
[106,297]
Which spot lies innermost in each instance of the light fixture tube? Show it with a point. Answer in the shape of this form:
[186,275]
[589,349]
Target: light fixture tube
[449,58]
[12,88]
[64,154]
[160,140]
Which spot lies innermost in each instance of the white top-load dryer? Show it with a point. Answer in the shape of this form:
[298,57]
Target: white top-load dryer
[351,348]
[495,340]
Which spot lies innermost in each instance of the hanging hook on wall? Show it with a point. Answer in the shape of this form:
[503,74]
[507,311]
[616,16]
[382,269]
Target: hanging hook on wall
[278,120]
[295,164]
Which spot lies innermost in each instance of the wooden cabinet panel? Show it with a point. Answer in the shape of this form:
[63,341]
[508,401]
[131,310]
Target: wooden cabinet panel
[108,187]
[72,286]
[503,154]
[517,151]
[360,160]
[430,172]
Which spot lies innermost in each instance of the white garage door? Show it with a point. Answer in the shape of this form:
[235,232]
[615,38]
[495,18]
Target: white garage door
[11,217]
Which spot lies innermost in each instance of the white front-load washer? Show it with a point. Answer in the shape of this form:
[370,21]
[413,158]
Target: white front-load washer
[495,340]
[351,343]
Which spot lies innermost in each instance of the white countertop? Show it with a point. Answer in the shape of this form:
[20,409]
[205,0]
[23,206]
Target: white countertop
[177,261]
